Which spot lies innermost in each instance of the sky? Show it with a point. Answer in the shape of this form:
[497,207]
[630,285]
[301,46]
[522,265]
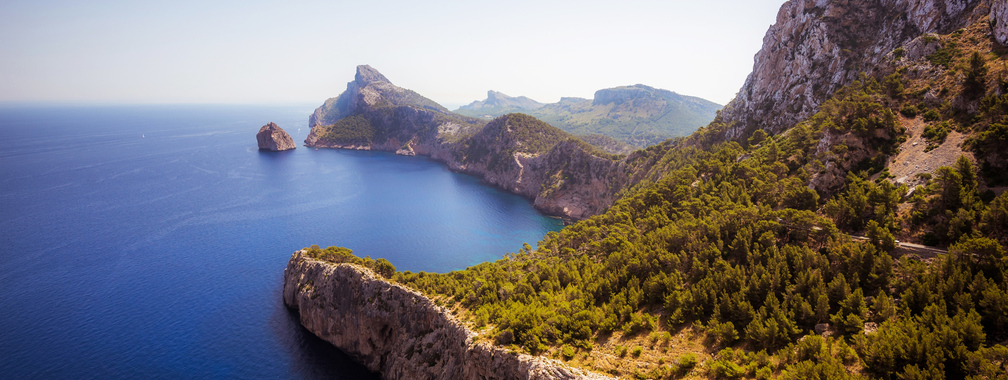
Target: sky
[284,52]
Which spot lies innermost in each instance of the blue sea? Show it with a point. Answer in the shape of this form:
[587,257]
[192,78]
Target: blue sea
[150,241]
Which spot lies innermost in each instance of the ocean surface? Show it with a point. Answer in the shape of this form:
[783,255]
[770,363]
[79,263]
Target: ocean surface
[150,241]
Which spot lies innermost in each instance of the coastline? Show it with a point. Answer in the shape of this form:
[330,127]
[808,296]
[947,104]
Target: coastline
[397,331]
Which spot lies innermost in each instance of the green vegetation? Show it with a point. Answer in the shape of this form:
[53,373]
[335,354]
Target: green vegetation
[726,239]
[634,115]
[944,56]
[513,133]
[355,129]
[340,255]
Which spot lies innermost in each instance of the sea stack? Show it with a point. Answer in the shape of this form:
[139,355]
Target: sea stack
[272,137]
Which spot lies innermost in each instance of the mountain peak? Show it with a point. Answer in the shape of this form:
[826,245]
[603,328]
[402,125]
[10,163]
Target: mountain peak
[367,75]
[492,96]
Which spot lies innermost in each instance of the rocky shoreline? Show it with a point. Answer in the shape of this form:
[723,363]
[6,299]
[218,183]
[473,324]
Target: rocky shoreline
[397,331]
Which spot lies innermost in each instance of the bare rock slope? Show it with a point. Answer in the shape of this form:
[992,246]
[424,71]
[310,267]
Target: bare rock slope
[818,46]
[272,137]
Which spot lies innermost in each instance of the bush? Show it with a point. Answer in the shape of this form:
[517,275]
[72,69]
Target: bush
[910,111]
[636,352]
[567,352]
[931,115]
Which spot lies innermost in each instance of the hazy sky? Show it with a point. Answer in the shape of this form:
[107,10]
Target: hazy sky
[305,51]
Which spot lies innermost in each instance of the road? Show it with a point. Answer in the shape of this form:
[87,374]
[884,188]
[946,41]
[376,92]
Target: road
[922,251]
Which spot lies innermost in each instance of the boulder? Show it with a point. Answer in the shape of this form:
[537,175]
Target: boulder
[272,137]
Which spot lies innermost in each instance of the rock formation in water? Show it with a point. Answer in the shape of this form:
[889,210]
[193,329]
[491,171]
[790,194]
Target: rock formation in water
[397,331]
[272,137]
[818,46]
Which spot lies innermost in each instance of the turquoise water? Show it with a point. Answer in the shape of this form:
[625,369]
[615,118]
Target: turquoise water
[150,241]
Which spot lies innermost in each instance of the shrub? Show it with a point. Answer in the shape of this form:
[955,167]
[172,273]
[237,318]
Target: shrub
[567,352]
[910,111]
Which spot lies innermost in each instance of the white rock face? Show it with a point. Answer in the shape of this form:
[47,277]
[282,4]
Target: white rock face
[817,46]
[397,331]
[999,21]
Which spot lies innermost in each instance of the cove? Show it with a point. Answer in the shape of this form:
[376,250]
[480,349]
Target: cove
[146,241]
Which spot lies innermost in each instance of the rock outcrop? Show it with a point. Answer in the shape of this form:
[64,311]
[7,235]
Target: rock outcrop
[272,137]
[999,21]
[398,332]
[818,46]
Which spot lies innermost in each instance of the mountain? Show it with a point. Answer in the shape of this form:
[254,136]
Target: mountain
[817,47]
[497,104]
[560,173]
[636,115]
[846,216]
[374,113]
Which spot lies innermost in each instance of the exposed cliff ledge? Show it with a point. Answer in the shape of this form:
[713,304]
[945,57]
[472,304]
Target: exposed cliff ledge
[397,331]
[818,46]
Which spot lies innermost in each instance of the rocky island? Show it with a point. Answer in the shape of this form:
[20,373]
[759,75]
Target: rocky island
[273,138]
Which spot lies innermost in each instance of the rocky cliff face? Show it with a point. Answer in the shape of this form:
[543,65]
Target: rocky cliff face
[272,137]
[818,46]
[397,331]
[562,179]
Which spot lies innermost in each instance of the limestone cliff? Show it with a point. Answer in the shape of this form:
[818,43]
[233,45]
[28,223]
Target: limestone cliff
[397,331]
[515,152]
[272,137]
[818,46]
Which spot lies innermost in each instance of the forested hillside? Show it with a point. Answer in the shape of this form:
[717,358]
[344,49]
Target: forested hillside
[777,255]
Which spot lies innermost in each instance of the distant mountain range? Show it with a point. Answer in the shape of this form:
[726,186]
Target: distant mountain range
[636,115]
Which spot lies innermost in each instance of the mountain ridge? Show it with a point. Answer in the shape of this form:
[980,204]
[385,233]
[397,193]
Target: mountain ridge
[563,176]
[638,115]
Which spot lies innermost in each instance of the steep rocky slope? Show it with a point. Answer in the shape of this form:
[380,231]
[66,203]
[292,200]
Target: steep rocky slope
[561,174]
[397,331]
[272,137]
[817,46]
[733,245]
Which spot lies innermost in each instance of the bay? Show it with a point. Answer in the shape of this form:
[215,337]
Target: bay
[150,241]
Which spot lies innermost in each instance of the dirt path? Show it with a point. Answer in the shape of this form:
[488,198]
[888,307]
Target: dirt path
[912,159]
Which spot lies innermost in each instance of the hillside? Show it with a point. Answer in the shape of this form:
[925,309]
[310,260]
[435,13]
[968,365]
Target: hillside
[561,174]
[785,238]
[374,113]
[635,115]
[498,104]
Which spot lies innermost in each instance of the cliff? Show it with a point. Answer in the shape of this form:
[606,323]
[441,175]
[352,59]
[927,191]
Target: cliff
[272,137]
[398,332]
[563,176]
[817,47]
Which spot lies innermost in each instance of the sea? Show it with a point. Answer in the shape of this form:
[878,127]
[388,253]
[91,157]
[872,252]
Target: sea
[150,241]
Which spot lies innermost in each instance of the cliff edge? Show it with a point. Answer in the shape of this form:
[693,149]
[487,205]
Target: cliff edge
[397,331]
